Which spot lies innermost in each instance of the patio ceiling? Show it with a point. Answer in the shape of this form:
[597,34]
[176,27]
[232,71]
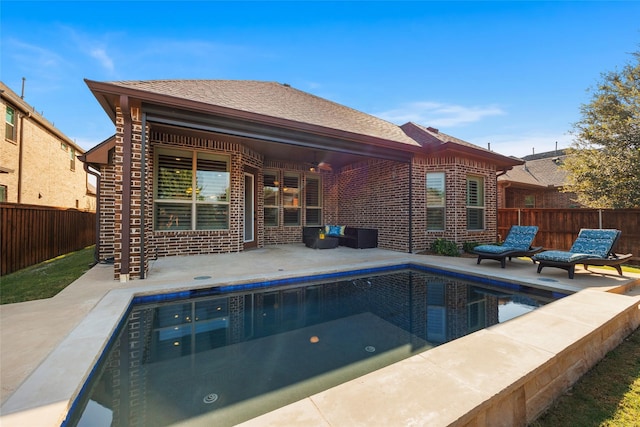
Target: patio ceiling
[274,143]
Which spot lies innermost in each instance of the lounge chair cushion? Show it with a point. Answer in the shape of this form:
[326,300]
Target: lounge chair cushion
[492,249]
[590,243]
[519,238]
[596,243]
[561,256]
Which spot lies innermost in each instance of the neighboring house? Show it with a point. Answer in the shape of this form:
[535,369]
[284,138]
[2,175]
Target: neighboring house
[38,163]
[214,166]
[536,184]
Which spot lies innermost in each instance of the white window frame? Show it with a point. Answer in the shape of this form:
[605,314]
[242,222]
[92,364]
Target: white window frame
[194,199]
[72,159]
[530,201]
[311,207]
[10,125]
[432,204]
[291,198]
[475,203]
[276,188]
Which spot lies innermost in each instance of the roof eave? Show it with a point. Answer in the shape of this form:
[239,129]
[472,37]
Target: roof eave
[107,95]
[99,155]
[503,163]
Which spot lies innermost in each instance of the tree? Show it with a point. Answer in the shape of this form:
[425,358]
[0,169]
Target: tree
[604,161]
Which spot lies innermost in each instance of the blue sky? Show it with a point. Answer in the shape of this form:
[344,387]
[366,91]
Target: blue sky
[512,74]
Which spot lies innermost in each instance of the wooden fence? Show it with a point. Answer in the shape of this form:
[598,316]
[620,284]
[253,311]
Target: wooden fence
[558,228]
[31,234]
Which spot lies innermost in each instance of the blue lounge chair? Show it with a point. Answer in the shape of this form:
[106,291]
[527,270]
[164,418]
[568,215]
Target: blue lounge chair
[592,247]
[517,244]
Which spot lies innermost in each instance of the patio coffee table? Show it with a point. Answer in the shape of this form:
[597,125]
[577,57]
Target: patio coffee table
[326,243]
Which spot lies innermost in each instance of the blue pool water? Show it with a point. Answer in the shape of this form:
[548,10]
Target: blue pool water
[224,355]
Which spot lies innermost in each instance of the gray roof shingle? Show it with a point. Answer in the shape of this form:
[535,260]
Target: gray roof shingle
[276,100]
[545,172]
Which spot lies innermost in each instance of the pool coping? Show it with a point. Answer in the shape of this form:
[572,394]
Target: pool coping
[46,395]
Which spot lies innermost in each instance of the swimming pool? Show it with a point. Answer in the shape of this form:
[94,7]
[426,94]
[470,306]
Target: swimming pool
[227,354]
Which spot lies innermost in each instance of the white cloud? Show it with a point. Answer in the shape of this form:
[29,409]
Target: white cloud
[101,55]
[438,114]
[82,43]
[37,62]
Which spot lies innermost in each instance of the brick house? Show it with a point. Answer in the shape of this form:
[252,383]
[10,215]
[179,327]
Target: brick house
[214,166]
[536,184]
[38,163]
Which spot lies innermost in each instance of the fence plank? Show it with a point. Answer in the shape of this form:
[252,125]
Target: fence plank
[31,234]
[558,228]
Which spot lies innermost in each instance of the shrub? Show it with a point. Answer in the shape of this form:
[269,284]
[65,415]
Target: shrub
[468,246]
[445,247]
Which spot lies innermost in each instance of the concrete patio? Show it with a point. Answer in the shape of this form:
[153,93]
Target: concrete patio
[508,372]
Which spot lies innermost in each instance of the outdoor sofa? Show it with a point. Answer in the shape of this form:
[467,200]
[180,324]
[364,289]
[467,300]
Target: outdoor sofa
[517,244]
[353,237]
[591,247]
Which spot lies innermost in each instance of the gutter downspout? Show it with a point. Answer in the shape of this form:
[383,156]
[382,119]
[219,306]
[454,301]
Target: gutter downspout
[143,167]
[504,172]
[126,188]
[20,158]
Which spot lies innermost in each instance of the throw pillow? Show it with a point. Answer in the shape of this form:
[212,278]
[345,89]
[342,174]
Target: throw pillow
[334,230]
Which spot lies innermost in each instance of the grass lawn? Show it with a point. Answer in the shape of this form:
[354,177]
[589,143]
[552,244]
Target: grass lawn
[608,395]
[46,279]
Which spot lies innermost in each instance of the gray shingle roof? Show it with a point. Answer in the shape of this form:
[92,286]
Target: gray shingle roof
[544,172]
[276,100]
[434,135]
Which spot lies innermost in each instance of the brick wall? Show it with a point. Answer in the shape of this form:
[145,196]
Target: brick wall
[374,194]
[170,243]
[133,209]
[369,194]
[46,173]
[544,199]
[456,171]
[107,212]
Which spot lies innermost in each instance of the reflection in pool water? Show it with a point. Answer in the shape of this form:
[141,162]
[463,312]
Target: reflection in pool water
[228,357]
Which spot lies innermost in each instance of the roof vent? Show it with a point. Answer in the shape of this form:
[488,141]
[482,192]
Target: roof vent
[434,130]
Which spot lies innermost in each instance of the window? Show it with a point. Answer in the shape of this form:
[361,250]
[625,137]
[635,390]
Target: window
[529,201]
[3,193]
[192,191]
[72,159]
[10,126]
[313,200]
[291,199]
[475,203]
[271,198]
[436,199]
[436,312]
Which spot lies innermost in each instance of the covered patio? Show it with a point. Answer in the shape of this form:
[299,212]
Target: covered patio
[202,167]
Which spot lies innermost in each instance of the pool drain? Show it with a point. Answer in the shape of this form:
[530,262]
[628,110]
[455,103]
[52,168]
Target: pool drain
[362,284]
[370,349]
[210,398]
